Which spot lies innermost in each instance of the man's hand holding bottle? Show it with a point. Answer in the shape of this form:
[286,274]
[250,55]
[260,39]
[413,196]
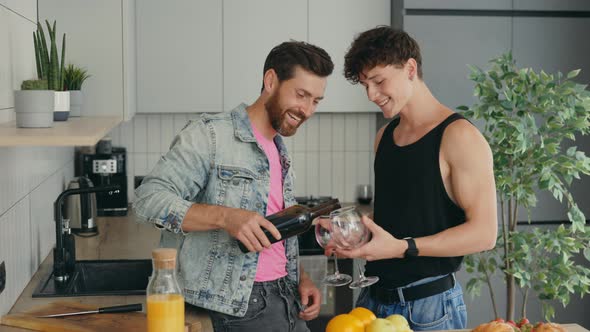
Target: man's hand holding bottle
[247,227]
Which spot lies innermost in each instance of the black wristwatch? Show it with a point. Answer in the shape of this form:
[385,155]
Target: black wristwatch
[412,250]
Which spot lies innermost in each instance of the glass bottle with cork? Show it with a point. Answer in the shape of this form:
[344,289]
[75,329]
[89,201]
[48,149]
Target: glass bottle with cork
[295,220]
[165,303]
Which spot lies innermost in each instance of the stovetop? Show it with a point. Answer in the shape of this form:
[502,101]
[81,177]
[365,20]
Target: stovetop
[311,201]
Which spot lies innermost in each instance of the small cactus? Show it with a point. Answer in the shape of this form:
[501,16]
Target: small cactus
[34,85]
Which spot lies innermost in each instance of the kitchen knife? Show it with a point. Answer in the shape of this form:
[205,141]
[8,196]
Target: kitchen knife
[103,310]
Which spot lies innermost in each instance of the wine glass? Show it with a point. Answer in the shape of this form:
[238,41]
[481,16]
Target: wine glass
[364,193]
[349,232]
[324,238]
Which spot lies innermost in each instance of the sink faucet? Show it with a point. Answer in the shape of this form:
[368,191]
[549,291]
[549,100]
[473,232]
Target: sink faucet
[64,253]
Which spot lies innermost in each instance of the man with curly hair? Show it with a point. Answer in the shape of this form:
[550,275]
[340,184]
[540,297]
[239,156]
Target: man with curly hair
[435,198]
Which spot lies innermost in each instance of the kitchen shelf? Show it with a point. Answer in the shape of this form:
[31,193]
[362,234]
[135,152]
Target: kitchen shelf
[77,131]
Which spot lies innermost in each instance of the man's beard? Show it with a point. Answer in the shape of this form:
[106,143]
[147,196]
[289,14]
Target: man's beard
[278,117]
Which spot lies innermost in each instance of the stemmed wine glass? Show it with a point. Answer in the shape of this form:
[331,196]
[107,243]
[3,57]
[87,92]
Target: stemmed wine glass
[349,232]
[324,238]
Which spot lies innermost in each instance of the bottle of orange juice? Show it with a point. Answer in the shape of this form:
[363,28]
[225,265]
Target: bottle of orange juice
[165,303]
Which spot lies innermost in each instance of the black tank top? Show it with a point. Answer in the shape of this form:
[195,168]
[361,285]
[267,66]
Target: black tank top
[411,201]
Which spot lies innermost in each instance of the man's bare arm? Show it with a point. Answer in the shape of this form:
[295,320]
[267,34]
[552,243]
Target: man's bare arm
[473,189]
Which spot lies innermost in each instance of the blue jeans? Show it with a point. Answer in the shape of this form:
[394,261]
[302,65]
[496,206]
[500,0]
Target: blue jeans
[274,306]
[444,311]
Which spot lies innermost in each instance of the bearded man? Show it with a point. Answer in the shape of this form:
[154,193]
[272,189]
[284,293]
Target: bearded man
[223,173]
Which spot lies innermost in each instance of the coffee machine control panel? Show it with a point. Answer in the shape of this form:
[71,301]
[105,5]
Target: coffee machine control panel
[108,166]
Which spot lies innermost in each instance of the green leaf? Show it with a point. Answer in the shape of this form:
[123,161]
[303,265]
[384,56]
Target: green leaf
[573,73]
[473,287]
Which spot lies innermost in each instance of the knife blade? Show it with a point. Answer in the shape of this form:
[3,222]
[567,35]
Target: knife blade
[102,310]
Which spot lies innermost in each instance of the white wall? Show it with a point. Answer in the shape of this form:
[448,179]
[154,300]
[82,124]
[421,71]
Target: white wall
[332,152]
[32,177]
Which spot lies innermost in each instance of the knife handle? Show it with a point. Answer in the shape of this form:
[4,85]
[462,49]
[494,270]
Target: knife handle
[121,308]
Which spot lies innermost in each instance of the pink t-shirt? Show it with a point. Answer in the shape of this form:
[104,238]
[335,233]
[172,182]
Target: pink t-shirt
[272,262]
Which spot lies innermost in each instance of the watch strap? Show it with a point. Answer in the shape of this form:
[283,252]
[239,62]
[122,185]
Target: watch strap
[412,250]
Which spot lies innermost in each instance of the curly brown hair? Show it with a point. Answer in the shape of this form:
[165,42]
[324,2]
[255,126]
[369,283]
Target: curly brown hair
[284,57]
[382,45]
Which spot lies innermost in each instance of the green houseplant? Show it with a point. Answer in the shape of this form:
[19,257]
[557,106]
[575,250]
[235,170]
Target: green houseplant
[50,68]
[74,77]
[530,120]
[48,64]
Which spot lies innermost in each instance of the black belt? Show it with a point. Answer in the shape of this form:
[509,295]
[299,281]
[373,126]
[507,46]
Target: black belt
[412,293]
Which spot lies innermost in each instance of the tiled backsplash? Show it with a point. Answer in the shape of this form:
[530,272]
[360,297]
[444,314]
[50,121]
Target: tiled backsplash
[30,177]
[332,152]
[30,181]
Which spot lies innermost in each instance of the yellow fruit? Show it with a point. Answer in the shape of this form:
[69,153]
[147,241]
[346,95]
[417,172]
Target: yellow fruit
[380,325]
[399,322]
[345,323]
[365,315]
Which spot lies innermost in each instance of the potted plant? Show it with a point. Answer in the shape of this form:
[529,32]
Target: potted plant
[34,105]
[73,78]
[49,68]
[531,121]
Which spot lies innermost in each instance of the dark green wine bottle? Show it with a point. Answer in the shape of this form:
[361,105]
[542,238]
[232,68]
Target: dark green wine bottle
[295,220]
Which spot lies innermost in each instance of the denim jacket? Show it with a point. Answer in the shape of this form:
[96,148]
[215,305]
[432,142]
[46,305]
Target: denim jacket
[214,160]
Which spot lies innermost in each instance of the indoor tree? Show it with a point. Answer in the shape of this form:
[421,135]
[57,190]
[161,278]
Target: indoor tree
[531,121]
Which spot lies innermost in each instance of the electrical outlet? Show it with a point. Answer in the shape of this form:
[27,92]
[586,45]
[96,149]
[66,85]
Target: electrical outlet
[2,277]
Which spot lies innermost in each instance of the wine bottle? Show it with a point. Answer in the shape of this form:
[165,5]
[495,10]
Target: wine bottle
[295,220]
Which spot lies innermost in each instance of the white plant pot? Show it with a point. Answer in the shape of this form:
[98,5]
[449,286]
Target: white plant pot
[61,109]
[34,108]
[76,103]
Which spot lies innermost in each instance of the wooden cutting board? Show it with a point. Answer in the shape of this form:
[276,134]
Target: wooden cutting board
[124,322]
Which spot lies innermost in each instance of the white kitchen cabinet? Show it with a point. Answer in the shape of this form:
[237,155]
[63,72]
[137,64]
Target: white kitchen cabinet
[250,30]
[333,24]
[99,37]
[179,56]
[449,44]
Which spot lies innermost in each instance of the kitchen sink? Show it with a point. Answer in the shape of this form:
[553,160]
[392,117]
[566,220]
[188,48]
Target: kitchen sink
[99,278]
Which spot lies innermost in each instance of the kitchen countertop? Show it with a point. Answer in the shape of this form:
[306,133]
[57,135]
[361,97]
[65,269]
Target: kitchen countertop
[119,238]
[123,238]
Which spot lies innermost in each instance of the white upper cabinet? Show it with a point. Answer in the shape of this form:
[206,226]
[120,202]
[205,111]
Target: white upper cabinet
[179,56]
[333,24]
[99,37]
[250,30]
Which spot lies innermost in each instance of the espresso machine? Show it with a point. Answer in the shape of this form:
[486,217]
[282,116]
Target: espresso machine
[106,167]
